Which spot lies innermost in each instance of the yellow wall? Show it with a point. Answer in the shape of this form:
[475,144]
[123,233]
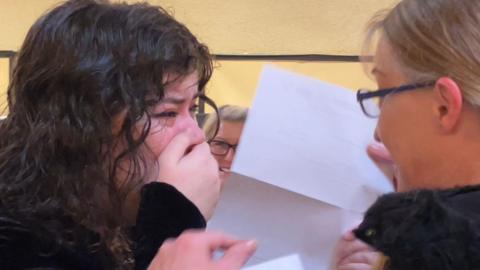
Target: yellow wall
[4,72]
[16,17]
[244,27]
[234,82]
[278,26]
[239,26]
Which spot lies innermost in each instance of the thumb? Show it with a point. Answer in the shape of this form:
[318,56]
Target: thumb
[237,255]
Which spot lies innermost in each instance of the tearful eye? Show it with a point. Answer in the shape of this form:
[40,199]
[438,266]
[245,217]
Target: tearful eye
[166,114]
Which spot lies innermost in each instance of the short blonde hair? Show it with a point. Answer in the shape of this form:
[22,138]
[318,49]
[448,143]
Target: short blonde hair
[434,38]
[228,113]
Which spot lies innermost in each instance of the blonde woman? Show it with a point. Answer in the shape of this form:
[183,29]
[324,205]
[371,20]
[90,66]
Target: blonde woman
[426,66]
[224,144]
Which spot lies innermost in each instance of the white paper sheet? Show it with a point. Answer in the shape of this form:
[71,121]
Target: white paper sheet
[302,175]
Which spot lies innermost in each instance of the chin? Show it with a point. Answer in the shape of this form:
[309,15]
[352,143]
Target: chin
[404,186]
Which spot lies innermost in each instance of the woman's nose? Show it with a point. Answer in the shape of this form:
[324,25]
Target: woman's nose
[192,124]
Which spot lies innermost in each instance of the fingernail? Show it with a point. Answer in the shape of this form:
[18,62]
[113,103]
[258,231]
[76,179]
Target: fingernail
[252,244]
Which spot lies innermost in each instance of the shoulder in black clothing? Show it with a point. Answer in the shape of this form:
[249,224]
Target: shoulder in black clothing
[164,213]
[22,247]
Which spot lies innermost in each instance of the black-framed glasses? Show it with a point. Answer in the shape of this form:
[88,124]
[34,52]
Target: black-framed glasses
[221,148]
[370,99]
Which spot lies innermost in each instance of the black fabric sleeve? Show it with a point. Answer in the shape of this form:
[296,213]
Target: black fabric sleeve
[164,213]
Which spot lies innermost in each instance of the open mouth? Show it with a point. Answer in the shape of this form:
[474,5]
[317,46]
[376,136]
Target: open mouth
[224,169]
[379,153]
[383,160]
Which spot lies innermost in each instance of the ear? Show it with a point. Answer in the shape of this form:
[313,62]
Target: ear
[448,103]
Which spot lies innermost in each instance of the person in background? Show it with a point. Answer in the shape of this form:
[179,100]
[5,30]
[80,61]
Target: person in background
[425,64]
[101,157]
[230,120]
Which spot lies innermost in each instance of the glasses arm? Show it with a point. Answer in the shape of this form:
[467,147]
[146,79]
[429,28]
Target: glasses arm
[361,95]
[372,94]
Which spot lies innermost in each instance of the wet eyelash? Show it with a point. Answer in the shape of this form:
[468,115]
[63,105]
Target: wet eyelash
[166,114]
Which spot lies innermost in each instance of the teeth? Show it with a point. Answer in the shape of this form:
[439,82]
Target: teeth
[224,169]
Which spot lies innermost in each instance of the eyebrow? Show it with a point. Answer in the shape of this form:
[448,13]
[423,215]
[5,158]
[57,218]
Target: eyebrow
[179,101]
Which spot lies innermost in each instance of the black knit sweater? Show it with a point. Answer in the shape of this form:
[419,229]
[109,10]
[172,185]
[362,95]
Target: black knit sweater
[164,213]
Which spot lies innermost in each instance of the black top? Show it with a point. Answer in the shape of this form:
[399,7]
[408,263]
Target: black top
[164,212]
[426,229]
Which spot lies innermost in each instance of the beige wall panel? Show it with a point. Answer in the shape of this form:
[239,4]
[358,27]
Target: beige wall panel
[235,82]
[4,76]
[16,17]
[239,26]
[278,26]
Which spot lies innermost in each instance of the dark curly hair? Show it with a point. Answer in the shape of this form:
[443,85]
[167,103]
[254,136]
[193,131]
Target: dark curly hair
[82,65]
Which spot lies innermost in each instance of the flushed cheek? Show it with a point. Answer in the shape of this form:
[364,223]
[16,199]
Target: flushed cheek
[379,129]
[387,133]
[158,139]
[387,130]
[394,142]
